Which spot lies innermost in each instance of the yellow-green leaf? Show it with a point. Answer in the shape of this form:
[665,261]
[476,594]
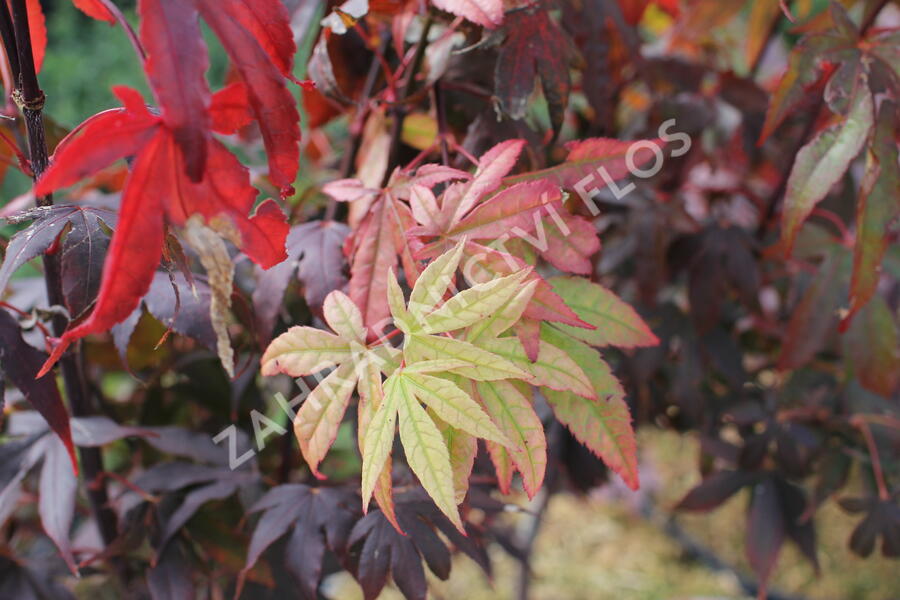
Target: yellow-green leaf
[402,319]
[343,316]
[379,437]
[475,304]
[426,452]
[511,410]
[453,405]
[316,423]
[615,322]
[434,281]
[484,365]
[304,351]
[553,367]
[504,317]
[462,448]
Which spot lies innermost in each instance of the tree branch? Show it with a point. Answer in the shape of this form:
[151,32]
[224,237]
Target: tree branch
[30,98]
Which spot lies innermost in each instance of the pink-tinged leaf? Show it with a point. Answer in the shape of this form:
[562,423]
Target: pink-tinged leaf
[269,22]
[37,26]
[136,246]
[516,208]
[487,13]
[822,163]
[493,165]
[56,501]
[230,109]
[95,9]
[348,190]
[552,368]
[615,322]
[273,104]
[19,362]
[603,425]
[176,66]
[431,175]
[528,332]
[403,222]
[588,158]
[317,422]
[374,257]
[871,346]
[568,241]
[503,465]
[876,207]
[511,411]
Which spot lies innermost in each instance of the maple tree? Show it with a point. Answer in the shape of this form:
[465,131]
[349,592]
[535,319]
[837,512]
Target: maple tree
[510,233]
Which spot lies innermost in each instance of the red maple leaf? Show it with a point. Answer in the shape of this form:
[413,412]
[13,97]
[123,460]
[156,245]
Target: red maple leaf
[158,192]
[257,37]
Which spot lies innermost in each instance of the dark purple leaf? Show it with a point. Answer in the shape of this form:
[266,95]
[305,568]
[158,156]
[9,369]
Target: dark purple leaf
[171,579]
[799,529]
[192,503]
[171,476]
[319,517]
[377,547]
[314,253]
[99,431]
[198,446]
[56,503]
[534,47]
[81,257]
[765,528]
[715,490]
[172,301]
[20,362]
[882,519]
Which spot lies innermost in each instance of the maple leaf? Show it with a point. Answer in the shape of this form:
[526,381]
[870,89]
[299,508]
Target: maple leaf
[306,351]
[376,548]
[882,520]
[468,210]
[95,9]
[487,13]
[823,161]
[601,423]
[318,518]
[314,254]
[82,244]
[534,47]
[257,37]
[19,363]
[877,206]
[180,305]
[157,192]
[372,251]
[615,322]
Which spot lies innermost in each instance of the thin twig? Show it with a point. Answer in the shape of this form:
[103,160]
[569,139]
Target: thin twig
[129,30]
[399,110]
[866,431]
